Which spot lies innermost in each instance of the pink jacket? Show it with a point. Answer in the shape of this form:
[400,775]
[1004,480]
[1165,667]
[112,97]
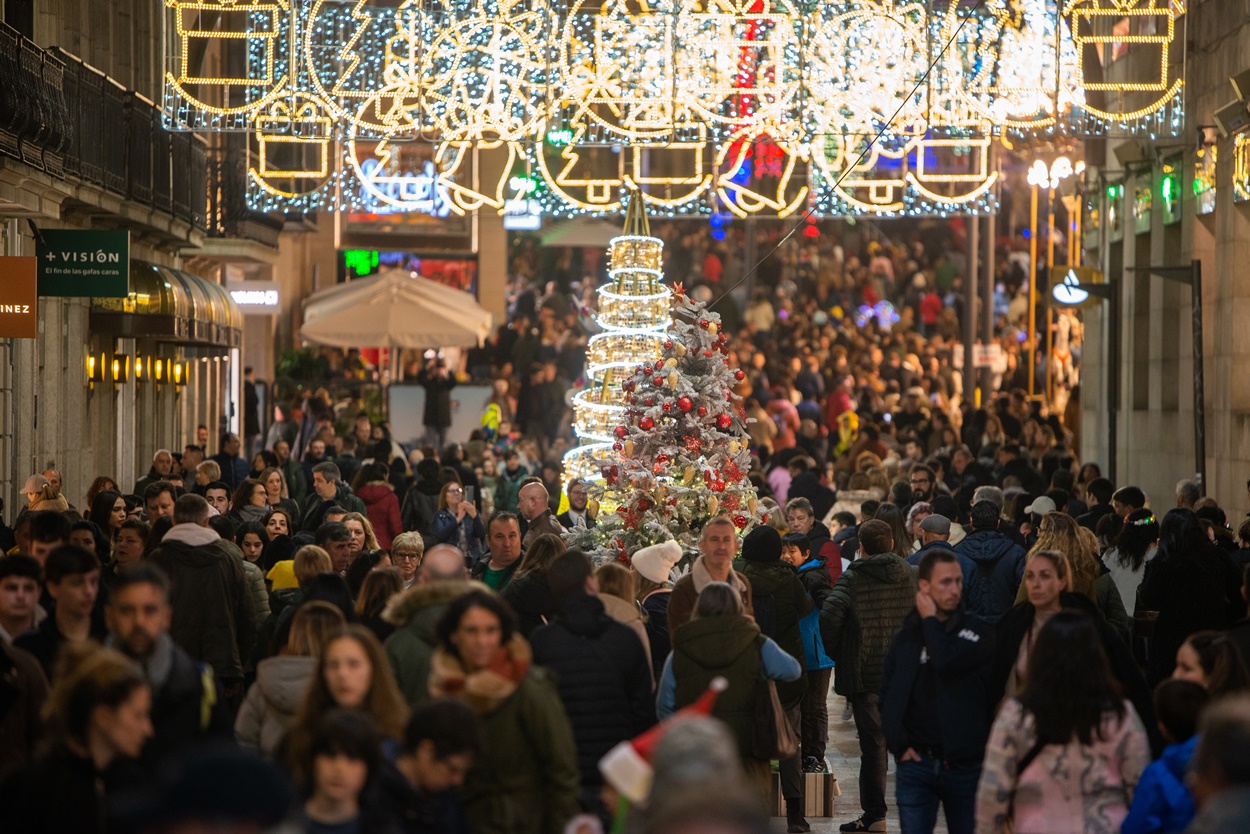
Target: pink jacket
[1066,788]
[382,508]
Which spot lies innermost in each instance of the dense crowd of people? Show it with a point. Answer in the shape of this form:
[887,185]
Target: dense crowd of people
[341,634]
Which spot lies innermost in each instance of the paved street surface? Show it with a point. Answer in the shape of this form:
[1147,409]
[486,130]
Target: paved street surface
[843,756]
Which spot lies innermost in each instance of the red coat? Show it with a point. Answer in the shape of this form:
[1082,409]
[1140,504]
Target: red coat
[382,507]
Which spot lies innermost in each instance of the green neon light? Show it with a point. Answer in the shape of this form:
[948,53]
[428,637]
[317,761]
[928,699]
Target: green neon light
[360,261]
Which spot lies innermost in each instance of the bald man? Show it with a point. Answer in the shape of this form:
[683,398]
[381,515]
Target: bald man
[443,563]
[441,578]
[532,504]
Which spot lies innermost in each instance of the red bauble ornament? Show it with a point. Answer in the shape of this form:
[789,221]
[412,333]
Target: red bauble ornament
[704,323]
[684,404]
[666,407]
[739,375]
[649,401]
[662,458]
[657,381]
[646,370]
[701,411]
[644,504]
[646,424]
[668,344]
[718,486]
[723,422]
[618,446]
[740,521]
[621,432]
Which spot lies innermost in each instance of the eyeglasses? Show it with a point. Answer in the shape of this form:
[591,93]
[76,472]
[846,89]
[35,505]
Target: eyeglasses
[919,480]
[455,492]
[407,557]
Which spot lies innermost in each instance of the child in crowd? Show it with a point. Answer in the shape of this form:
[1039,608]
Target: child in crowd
[1162,803]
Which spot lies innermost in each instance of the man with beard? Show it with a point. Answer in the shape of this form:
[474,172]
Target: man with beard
[187,706]
[577,515]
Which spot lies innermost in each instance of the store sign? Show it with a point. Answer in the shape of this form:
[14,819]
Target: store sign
[19,298]
[80,263]
[260,297]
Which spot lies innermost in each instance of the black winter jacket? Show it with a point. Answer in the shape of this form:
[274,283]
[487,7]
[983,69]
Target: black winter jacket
[531,599]
[602,677]
[1015,624]
[212,607]
[186,711]
[1192,592]
[791,603]
[960,650]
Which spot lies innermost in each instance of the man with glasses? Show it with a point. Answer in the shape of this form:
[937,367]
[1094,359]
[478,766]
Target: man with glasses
[407,551]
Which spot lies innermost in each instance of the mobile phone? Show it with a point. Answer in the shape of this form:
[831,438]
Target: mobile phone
[470,494]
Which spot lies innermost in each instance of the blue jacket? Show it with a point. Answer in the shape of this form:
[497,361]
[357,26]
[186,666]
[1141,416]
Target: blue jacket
[1162,803]
[961,650]
[965,564]
[999,567]
[809,627]
[447,531]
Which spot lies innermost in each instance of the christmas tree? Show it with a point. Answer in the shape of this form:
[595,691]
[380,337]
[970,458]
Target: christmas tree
[633,315]
[680,456]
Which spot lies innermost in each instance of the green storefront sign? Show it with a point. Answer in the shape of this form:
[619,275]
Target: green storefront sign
[84,263]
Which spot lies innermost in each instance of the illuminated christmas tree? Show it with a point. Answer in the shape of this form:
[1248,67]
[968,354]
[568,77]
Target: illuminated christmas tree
[633,315]
[678,453]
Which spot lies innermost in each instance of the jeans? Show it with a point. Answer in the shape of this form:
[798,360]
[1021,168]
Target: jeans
[866,709]
[920,786]
[815,734]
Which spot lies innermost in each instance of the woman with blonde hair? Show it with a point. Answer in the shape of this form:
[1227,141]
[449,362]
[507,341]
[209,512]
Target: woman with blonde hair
[1047,583]
[282,682]
[616,592]
[770,511]
[352,673]
[1061,532]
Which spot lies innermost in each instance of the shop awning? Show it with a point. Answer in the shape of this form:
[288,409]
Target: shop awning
[170,305]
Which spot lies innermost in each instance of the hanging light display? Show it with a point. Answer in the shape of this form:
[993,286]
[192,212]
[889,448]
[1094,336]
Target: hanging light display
[747,106]
[633,317]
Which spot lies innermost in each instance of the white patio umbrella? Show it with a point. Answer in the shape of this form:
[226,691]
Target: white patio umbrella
[394,309]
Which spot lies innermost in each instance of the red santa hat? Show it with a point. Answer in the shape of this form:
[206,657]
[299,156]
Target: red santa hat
[627,766]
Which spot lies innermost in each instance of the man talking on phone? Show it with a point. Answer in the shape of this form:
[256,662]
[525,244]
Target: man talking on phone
[934,709]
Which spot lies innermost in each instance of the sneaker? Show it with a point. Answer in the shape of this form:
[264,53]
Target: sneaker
[812,764]
[862,825]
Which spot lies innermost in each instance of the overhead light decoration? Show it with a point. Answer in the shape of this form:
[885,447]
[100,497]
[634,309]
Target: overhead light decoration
[675,98]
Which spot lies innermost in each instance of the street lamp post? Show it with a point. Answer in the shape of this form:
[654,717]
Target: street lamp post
[1071,292]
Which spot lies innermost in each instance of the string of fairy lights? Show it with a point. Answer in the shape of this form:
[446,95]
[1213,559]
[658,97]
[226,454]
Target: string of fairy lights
[749,107]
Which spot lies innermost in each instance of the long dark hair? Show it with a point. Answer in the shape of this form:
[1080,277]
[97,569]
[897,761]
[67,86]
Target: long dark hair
[892,515]
[1070,688]
[102,510]
[1140,531]
[1181,536]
